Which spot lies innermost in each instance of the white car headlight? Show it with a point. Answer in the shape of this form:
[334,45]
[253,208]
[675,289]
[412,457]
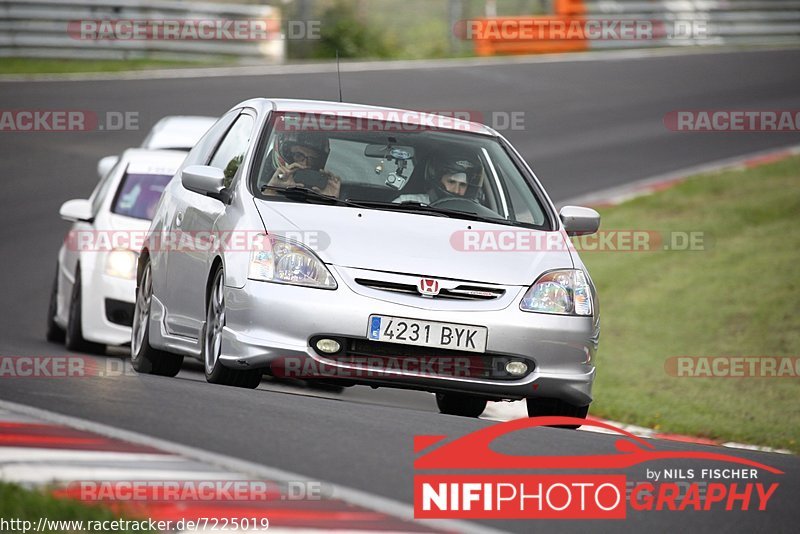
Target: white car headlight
[287,262]
[121,263]
[564,292]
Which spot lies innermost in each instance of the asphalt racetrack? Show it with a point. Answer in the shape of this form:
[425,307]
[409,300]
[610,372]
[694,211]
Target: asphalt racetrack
[588,125]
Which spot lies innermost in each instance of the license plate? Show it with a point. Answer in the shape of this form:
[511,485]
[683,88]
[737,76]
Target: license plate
[427,333]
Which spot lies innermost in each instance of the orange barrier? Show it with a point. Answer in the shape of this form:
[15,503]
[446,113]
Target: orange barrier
[562,32]
[569,7]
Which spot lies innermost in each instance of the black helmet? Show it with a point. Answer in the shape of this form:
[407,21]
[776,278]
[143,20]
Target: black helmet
[313,140]
[464,167]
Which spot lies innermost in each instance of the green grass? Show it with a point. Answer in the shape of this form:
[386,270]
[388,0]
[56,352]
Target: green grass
[56,66]
[739,297]
[17,502]
[413,29]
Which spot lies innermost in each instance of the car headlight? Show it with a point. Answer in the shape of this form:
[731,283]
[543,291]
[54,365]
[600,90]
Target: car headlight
[287,262]
[564,292]
[121,263]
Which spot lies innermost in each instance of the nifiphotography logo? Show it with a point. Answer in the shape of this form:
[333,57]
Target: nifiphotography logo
[532,487]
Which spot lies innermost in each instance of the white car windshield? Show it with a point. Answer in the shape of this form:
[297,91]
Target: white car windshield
[395,166]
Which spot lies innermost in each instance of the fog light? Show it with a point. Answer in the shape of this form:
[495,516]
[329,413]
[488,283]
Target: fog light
[328,346]
[516,368]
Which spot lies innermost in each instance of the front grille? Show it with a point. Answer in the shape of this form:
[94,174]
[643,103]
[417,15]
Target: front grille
[375,355]
[119,312]
[462,292]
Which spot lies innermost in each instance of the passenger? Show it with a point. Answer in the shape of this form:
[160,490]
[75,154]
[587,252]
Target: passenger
[456,177]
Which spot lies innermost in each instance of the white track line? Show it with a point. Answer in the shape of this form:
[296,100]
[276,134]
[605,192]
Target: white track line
[35,454]
[45,473]
[508,411]
[383,505]
[630,190]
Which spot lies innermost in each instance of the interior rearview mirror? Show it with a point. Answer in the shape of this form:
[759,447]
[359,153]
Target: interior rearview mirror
[579,221]
[391,152]
[76,210]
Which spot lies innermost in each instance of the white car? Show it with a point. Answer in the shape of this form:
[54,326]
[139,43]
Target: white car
[174,132]
[91,303]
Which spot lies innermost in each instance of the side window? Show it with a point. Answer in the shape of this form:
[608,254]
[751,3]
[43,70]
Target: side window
[200,153]
[100,192]
[522,210]
[231,151]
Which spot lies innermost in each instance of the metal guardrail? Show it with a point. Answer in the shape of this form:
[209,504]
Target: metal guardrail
[717,22]
[46,28]
[578,25]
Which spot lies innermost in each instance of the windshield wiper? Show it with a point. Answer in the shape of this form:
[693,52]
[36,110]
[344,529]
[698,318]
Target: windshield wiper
[409,205]
[305,194]
[413,205]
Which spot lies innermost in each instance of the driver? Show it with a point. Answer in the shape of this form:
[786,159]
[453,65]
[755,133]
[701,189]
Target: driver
[457,176]
[304,150]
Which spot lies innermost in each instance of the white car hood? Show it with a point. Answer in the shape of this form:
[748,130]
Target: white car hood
[406,243]
[119,231]
[123,223]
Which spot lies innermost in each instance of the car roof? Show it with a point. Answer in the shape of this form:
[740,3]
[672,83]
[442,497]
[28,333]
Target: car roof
[146,161]
[178,131]
[346,108]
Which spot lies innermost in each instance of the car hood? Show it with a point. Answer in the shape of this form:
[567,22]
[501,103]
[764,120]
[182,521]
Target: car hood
[123,223]
[407,243]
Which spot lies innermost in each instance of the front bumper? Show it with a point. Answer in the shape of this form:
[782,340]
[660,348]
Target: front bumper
[267,323]
[102,316]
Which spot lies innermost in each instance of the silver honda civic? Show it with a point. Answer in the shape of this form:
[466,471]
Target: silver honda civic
[358,245]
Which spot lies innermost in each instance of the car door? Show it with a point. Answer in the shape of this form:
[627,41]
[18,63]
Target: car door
[188,267]
[168,223]
[70,253]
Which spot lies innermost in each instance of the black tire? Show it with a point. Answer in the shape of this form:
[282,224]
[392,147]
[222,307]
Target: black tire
[215,372]
[460,404]
[541,407]
[54,333]
[73,337]
[144,358]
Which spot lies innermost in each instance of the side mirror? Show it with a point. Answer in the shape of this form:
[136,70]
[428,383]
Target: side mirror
[203,179]
[106,164]
[76,210]
[579,221]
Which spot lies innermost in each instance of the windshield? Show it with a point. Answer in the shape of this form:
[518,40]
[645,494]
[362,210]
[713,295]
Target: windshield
[386,165]
[138,195]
